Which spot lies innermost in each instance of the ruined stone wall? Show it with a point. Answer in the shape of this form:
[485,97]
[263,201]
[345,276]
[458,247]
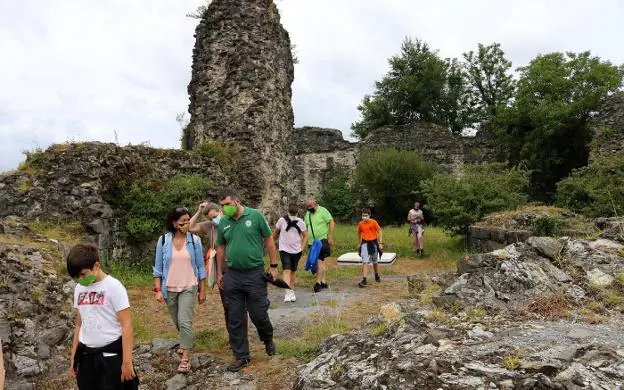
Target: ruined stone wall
[71,182]
[435,143]
[319,152]
[240,92]
[608,128]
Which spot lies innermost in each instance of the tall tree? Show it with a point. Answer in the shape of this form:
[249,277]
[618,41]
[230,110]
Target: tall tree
[419,87]
[547,127]
[491,82]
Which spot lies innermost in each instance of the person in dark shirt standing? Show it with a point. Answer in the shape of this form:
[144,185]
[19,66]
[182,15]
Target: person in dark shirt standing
[242,237]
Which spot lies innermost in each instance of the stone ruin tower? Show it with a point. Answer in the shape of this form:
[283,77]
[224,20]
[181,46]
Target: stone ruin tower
[240,93]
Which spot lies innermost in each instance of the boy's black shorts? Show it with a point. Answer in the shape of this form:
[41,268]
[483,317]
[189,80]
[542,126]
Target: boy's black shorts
[290,260]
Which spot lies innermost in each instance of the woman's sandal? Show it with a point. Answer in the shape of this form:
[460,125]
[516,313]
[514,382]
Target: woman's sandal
[179,351]
[184,366]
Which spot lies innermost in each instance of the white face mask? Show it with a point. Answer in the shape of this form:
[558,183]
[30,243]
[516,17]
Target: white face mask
[365,218]
[216,220]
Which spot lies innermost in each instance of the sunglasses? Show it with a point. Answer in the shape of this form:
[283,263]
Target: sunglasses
[181,210]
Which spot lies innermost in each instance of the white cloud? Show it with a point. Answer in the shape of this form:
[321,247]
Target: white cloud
[82,70]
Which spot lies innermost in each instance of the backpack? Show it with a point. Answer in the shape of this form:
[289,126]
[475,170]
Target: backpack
[291,224]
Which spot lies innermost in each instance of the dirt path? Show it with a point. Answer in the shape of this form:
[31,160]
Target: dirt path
[344,301]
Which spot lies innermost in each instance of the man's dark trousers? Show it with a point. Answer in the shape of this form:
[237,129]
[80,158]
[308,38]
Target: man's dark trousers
[246,288]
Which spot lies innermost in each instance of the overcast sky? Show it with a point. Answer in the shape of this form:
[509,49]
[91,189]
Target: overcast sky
[90,69]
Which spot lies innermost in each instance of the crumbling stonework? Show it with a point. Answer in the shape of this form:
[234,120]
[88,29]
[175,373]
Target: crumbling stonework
[240,92]
[608,128]
[435,144]
[72,182]
[319,153]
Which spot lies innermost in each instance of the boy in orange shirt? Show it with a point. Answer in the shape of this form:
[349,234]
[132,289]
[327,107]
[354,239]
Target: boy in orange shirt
[370,244]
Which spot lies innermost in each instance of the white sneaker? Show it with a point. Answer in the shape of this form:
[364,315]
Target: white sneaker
[293,298]
[287,296]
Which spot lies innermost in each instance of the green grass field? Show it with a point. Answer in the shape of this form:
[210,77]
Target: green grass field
[439,247]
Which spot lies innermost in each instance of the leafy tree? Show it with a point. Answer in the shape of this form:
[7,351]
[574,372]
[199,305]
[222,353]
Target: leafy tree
[339,195]
[547,127]
[420,86]
[143,204]
[392,179]
[459,201]
[596,190]
[491,83]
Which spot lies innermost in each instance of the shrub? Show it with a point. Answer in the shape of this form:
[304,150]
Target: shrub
[459,201]
[339,195]
[224,152]
[143,205]
[548,225]
[392,179]
[596,190]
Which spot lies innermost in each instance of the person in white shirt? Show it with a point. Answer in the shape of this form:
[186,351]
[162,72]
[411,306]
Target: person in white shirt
[290,230]
[102,346]
[417,227]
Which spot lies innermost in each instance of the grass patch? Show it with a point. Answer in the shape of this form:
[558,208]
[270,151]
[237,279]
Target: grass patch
[550,306]
[305,347]
[70,232]
[511,362]
[439,316]
[379,329]
[437,243]
[477,314]
[211,340]
[131,276]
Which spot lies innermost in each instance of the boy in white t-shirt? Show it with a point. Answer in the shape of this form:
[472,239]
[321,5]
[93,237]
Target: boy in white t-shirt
[102,348]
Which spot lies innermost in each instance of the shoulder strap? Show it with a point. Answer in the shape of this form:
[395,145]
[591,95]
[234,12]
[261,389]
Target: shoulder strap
[162,240]
[311,227]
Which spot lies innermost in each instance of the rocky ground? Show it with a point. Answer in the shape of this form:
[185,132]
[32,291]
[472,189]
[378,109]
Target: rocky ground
[546,314]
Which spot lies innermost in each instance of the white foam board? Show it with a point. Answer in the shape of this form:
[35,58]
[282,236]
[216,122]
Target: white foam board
[353,258]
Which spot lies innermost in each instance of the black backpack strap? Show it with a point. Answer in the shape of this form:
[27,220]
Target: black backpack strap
[311,227]
[162,240]
[291,224]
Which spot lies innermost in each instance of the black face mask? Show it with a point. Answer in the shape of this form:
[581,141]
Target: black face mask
[311,209]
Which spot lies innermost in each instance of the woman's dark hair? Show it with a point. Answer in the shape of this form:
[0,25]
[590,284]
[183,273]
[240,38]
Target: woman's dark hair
[82,256]
[366,210]
[173,215]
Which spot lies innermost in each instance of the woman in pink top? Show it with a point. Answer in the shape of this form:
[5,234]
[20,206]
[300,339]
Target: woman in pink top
[179,277]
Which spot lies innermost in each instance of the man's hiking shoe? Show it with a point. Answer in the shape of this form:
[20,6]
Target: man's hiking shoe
[317,287]
[362,283]
[238,364]
[269,347]
[324,285]
[377,278]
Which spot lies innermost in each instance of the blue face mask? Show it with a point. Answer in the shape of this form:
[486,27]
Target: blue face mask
[216,220]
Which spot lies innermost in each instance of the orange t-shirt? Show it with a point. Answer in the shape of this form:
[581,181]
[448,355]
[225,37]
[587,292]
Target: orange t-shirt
[368,229]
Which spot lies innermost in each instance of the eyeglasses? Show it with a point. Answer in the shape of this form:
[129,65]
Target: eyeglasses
[181,210]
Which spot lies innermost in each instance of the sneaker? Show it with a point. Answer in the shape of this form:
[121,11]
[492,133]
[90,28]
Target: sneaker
[238,364]
[377,278]
[363,283]
[317,287]
[324,285]
[269,347]
[287,296]
[293,298]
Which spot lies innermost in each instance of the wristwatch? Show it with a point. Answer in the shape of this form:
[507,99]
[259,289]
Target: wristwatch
[273,265]
[157,289]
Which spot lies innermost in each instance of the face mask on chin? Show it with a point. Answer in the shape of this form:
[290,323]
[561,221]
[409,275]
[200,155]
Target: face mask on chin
[311,209]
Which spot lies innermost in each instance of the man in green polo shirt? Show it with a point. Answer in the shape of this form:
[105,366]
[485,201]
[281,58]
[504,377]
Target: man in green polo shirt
[242,237]
[320,225]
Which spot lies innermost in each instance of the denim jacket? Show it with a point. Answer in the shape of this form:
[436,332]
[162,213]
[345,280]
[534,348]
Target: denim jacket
[163,258]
